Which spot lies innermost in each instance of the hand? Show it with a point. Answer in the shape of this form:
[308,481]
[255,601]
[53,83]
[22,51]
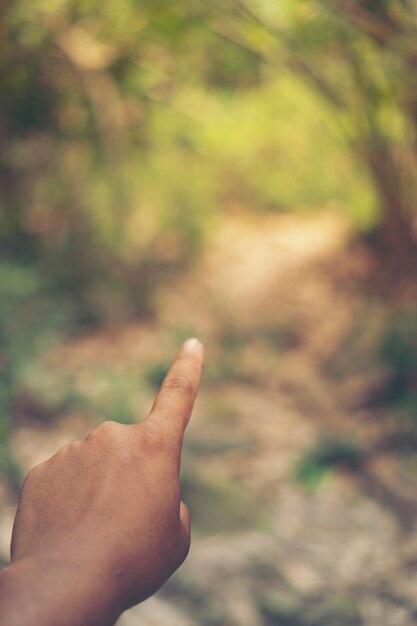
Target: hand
[104,516]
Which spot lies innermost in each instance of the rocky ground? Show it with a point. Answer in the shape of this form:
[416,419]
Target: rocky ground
[289,342]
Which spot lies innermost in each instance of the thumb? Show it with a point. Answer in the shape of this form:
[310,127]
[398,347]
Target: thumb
[185,533]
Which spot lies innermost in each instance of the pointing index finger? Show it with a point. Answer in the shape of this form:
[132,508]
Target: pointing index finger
[174,403]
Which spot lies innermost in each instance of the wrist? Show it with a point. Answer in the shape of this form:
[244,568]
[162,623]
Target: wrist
[46,589]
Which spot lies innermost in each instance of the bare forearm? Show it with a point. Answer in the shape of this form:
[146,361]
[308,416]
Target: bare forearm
[47,594]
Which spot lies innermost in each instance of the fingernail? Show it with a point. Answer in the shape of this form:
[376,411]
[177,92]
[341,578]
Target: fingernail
[191,344]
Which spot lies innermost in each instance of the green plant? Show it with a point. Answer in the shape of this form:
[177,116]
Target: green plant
[398,350]
[156,373]
[30,320]
[326,455]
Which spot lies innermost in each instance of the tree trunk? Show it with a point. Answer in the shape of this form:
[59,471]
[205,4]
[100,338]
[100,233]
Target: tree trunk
[397,244]
[3,40]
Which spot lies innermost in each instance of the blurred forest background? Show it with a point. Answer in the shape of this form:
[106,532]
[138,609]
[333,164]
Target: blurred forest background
[244,171]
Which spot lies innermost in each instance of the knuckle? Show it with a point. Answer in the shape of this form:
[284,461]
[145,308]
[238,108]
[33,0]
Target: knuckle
[70,448]
[181,383]
[153,438]
[107,429]
[33,477]
[109,426]
[34,473]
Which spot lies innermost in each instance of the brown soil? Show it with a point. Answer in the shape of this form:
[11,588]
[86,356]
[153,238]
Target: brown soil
[289,340]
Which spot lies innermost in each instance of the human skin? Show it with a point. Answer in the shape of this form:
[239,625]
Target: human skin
[100,526]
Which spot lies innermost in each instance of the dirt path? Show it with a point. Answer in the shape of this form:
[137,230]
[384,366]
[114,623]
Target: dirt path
[267,300]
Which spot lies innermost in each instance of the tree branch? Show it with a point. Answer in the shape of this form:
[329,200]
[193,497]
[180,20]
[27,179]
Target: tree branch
[294,61]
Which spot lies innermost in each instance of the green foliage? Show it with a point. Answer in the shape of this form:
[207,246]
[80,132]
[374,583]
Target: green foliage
[115,395]
[323,457]
[127,131]
[75,119]
[156,374]
[399,346]
[286,607]
[29,323]
[398,350]
[121,411]
[220,505]
[29,320]
[107,109]
[9,467]
[357,58]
